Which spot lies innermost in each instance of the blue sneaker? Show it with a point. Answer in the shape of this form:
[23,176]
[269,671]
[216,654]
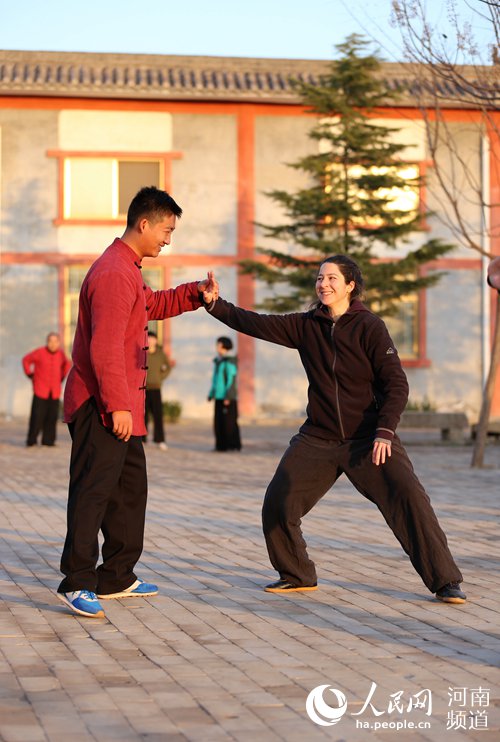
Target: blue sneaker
[83,602]
[139,589]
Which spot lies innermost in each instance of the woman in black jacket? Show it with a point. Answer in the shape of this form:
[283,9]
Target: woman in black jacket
[357,392]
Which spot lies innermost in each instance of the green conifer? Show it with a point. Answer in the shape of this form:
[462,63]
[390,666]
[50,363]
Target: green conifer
[349,204]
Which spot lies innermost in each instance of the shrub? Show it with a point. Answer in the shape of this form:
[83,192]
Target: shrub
[171,410]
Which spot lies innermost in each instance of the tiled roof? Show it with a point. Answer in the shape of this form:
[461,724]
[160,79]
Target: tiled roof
[167,77]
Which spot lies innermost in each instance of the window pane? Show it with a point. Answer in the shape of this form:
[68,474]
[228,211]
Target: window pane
[76,274]
[132,176]
[74,279]
[403,328]
[154,278]
[89,190]
[404,197]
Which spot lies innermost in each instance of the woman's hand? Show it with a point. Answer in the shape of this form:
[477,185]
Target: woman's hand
[381,452]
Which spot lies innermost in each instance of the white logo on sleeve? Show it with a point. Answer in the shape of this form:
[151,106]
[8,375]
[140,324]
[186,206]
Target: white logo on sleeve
[320,712]
[389,351]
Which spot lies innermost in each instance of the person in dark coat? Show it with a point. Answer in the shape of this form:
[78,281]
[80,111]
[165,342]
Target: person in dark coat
[357,393]
[47,367]
[494,273]
[224,392]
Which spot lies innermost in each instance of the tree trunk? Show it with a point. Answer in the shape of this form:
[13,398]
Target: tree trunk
[482,426]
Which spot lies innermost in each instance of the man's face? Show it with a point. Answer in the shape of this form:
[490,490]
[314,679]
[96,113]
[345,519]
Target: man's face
[53,343]
[155,235]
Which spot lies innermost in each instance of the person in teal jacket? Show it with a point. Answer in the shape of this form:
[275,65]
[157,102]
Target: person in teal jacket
[224,392]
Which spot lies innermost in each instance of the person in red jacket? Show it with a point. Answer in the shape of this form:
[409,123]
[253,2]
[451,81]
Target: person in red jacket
[357,392]
[47,367]
[104,407]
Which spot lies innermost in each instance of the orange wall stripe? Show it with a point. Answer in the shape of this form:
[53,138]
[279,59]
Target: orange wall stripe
[196,259]
[246,284]
[214,108]
[172,106]
[104,153]
[57,258]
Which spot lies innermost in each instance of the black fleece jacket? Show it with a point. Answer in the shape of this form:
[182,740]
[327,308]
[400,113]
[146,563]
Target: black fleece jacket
[357,387]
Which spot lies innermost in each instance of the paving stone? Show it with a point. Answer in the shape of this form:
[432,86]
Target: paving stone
[213,657]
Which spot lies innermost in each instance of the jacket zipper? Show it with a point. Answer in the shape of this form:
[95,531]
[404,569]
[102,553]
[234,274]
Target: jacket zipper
[337,399]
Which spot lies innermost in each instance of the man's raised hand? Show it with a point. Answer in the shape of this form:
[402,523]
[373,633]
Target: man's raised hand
[209,288]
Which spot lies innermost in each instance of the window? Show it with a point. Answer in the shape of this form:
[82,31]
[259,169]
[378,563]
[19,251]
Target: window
[362,188]
[401,198]
[133,175]
[97,187]
[403,328]
[73,281]
[102,188]
[154,278]
[365,184]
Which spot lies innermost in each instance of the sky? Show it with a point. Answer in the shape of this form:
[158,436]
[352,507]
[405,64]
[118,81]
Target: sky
[291,29]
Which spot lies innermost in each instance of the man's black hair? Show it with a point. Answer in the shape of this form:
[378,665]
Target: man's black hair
[153,204]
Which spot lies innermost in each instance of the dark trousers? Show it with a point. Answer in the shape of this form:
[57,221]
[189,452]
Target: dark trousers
[107,492]
[308,469]
[44,414]
[226,429]
[154,408]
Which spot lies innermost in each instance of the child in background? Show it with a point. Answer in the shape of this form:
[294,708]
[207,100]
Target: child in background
[224,392]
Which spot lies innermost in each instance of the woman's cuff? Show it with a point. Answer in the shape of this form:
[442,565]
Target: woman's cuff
[384,435]
[204,303]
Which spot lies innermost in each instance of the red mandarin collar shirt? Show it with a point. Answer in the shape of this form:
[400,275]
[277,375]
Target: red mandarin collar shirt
[47,370]
[111,339]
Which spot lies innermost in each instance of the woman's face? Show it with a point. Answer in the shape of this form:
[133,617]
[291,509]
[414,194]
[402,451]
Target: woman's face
[332,289]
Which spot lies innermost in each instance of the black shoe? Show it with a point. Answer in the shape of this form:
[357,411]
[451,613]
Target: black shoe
[282,586]
[451,593]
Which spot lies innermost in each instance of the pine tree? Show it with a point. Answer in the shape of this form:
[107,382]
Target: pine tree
[349,203]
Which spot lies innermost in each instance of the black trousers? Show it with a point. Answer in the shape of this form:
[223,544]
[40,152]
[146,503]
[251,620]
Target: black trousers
[308,469]
[154,408]
[226,429]
[43,417]
[107,493]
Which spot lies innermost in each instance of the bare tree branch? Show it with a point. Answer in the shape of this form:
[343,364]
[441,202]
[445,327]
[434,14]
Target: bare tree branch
[446,73]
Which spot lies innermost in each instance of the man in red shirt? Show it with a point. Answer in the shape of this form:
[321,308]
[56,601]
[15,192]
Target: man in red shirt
[104,407]
[47,367]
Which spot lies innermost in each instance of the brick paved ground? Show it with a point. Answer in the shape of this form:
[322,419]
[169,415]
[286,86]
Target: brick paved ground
[213,657]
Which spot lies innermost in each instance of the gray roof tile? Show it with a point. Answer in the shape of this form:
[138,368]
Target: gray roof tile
[168,77]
